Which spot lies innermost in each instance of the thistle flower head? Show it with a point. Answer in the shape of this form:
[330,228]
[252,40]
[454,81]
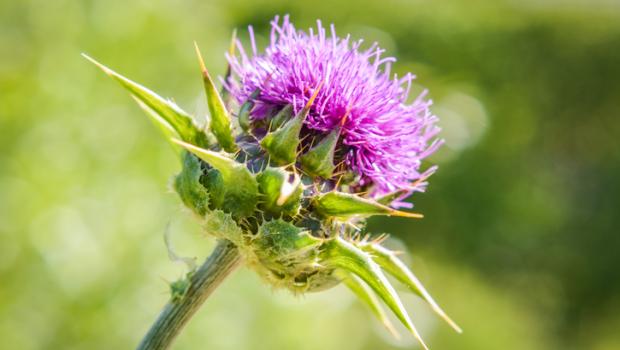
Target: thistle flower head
[383,137]
[324,138]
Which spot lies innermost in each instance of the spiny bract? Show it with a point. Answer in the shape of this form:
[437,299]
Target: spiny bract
[288,178]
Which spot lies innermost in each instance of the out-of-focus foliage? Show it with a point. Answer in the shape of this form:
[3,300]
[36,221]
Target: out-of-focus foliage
[520,241]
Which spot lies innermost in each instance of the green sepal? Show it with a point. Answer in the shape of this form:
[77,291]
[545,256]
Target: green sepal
[395,267]
[238,192]
[219,123]
[344,255]
[246,108]
[365,294]
[281,145]
[164,112]
[187,184]
[345,205]
[279,195]
[319,161]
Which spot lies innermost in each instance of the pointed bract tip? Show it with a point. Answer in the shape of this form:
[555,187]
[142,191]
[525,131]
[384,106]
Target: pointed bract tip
[448,320]
[388,260]
[346,116]
[164,111]
[405,214]
[201,62]
[365,294]
[220,124]
[233,40]
[314,95]
[96,63]
[344,205]
[347,256]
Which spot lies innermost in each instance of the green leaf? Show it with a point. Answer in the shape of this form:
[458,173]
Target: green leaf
[395,267]
[282,144]
[364,293]
[240,189]
[319,161]
[280,193]
[220,119]
[164,112]
[187,184]
[345,205]
[344,255]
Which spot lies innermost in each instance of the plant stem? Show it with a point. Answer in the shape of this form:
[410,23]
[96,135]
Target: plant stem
[224,260]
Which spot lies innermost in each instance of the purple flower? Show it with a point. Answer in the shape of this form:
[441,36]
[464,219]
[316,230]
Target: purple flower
[384,137]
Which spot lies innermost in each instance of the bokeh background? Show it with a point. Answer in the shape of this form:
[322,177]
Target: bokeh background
[521,240]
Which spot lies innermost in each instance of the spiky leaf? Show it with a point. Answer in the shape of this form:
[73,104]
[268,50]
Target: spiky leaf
[345,205]
[220,119]
[280,191]
[166,112]
[282,144]
[344,255]
[240,189]
[395,267]
[366,295]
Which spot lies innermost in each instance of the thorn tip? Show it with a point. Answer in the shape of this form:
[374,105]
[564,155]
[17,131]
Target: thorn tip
[201,62]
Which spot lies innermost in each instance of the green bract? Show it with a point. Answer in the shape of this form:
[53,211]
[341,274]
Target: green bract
[320,160]
[281,145]
[276,199]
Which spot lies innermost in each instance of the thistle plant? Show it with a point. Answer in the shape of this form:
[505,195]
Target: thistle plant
[303,143]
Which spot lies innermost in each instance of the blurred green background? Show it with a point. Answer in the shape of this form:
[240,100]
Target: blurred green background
[521,240]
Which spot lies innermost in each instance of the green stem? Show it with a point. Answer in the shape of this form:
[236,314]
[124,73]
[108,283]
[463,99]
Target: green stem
[224,260]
